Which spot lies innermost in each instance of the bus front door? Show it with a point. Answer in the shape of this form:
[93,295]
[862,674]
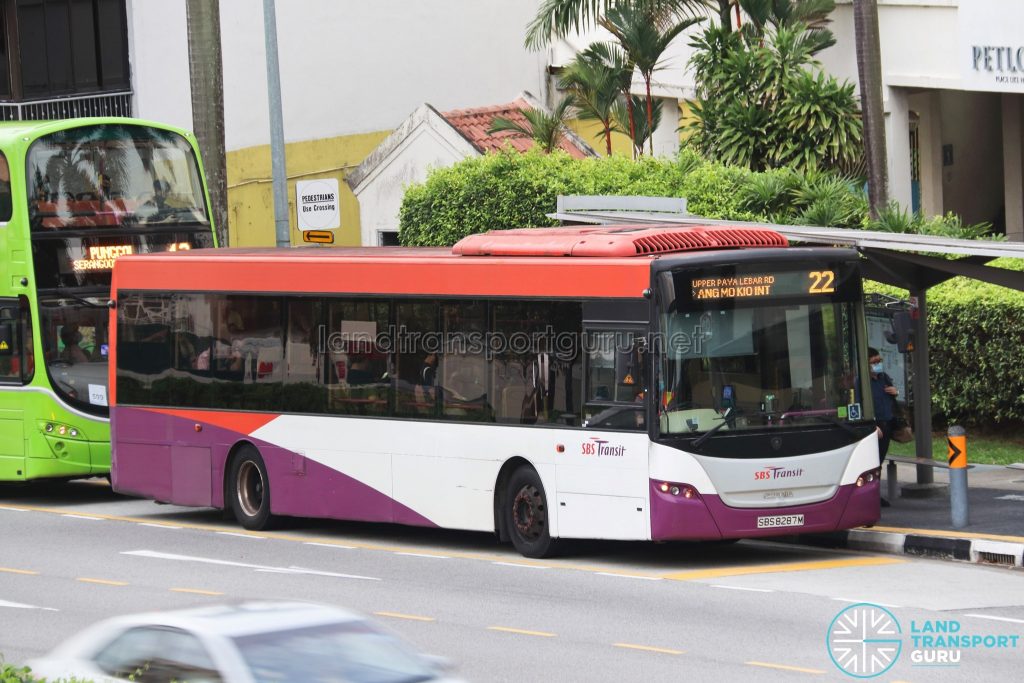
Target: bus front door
[12,426]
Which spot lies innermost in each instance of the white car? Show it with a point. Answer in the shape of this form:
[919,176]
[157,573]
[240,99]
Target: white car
[252,642]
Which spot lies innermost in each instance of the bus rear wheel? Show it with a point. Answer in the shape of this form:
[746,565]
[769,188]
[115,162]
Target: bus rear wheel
[526,515]
[249,490]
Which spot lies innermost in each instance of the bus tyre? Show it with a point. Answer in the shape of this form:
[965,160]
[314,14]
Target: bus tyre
[249,489]
[526,515]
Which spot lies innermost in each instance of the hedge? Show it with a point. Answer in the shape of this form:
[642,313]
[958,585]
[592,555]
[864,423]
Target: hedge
[975,336]
[976,330]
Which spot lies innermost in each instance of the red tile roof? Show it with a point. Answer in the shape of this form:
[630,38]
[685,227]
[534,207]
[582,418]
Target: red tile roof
[473,124]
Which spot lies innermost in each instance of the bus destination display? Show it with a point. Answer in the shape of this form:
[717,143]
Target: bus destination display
[763,285]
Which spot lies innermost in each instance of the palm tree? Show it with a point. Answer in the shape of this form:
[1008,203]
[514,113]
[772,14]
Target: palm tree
[638,30]
[546,129]
[207,78]
[869,68]
[558,18]
[640,132]
[811,15]
[595,79]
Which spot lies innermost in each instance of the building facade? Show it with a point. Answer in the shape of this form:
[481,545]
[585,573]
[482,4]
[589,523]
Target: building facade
[353,71]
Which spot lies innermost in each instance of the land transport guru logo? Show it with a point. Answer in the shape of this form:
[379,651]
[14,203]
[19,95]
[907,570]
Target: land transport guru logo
[866,640]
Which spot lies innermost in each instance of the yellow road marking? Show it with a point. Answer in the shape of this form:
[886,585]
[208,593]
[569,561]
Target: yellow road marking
[411,617]
[102,582]
[782,567]
[346,543]
[542,634]
[648,648]
[27,572]
[949,534]
[785,667]
[195,591]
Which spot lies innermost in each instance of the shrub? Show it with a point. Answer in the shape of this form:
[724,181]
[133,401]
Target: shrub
[975,333]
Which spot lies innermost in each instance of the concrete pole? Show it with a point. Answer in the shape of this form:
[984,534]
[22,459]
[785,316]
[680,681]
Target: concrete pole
[922,390]
[277,153]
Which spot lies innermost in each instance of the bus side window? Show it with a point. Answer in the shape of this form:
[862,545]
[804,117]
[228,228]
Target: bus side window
[6,204]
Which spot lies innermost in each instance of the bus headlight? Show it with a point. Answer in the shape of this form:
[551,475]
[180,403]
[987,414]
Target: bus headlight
[679,490]
[869,476]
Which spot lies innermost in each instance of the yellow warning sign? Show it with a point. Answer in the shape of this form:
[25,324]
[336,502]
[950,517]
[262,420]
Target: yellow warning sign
[957,451]
[318,236]
[4,346]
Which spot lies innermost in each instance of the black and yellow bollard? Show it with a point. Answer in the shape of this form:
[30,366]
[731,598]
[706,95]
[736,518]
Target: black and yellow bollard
[956,447]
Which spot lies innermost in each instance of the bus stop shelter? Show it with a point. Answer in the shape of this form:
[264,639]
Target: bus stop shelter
[907,261]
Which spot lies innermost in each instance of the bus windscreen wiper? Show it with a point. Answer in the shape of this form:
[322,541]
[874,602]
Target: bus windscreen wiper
[82,300]
[707,435]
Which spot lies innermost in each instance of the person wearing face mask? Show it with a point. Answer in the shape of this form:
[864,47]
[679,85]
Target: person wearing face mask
[883,394]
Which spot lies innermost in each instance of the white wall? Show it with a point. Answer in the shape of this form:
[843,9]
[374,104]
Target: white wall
[158,50]
[353,66]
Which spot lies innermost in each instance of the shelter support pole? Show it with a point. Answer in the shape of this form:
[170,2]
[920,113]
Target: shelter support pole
[922,389]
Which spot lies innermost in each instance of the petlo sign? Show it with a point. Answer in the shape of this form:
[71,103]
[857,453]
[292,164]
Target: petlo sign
[991,51]
[317,204]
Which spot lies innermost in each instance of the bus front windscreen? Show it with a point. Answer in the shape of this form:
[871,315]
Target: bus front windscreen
[113,176]
[75,346]
[748,347]
[95,193]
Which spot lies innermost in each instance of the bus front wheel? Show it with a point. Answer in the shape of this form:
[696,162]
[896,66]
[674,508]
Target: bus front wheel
[250,490]
[526,515]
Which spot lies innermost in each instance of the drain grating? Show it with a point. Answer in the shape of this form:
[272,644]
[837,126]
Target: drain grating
[996,558]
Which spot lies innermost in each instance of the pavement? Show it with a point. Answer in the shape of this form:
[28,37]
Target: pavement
[919,521]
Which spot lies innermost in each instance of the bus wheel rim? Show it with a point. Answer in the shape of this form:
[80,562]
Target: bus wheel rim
[528,513]
[250,488]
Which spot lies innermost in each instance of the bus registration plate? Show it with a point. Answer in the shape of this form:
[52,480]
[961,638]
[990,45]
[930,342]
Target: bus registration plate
[779,521]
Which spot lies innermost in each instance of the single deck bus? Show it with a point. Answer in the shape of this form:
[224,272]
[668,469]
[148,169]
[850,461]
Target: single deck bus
[604,382]
[75,195]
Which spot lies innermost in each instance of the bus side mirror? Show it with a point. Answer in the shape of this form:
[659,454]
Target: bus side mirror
[6,338]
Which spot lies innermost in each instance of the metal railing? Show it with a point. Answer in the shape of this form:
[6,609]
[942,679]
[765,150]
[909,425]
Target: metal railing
[107,104]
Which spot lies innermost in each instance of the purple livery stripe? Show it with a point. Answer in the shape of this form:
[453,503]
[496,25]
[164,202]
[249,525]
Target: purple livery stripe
[163,457]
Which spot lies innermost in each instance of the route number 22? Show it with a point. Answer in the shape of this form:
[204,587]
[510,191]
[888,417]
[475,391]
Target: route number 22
[823,282]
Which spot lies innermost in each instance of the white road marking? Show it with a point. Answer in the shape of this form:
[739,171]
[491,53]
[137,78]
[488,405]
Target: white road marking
[1012,496]
[995,618]
[330,545]
[231,533]
[743,588]
[258,567]
[872,602]
[630,576]
[159,526]
[95,519]
[21,605]
[520,565]
[433,557]
[4,507]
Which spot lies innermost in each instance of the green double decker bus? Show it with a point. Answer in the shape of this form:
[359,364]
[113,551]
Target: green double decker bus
[74,195]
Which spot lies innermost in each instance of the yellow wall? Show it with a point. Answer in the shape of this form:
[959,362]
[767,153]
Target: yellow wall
[250,186]
[592,134]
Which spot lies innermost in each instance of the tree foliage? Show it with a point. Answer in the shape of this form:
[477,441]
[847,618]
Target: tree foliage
[758,104]
[546,129]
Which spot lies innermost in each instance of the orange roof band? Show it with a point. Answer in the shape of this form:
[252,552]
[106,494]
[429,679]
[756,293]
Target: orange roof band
[590,262]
